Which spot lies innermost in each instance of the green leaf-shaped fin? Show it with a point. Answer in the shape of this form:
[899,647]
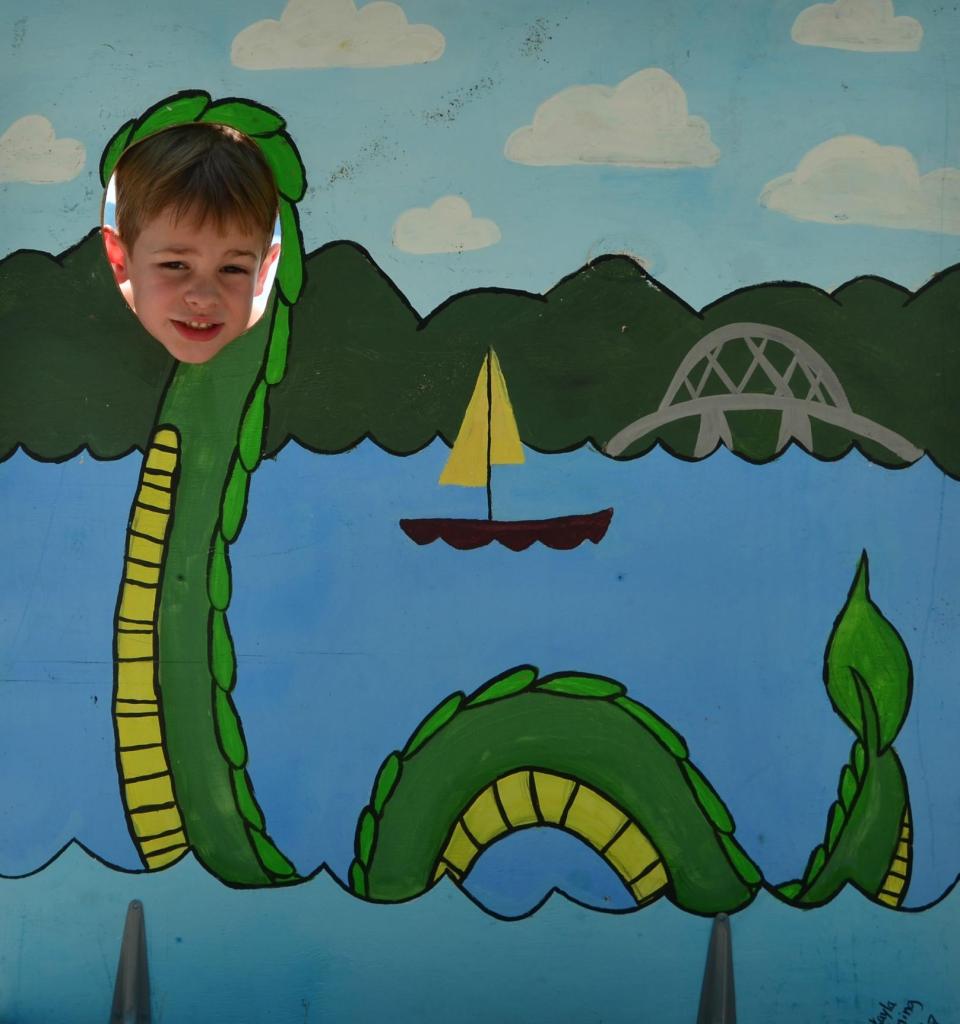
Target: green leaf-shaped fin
[234,502]
[865,644]
[366,835]
[742,864]
[386,780]
[223,662]
[286,165]
[583,686]
[290,269]
[358,879]
[111,154]
[219,583]
[434,722]
[182,108]
[671,739]
[271,858]
[279,339]
[246,801]
[251,429]
[248,118]
[229,731]
[708,799]
[790,890]
[515,681]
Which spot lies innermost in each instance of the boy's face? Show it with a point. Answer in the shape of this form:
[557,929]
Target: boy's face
[191,287]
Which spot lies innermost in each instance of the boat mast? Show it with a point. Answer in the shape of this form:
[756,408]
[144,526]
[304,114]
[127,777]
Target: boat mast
[489,435]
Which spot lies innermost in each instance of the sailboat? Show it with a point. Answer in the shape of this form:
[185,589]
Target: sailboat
[488,437]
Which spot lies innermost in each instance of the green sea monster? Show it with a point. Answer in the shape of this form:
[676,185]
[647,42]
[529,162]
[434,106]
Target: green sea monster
[571,750]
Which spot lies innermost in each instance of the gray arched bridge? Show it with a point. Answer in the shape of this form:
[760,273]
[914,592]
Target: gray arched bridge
[806,388]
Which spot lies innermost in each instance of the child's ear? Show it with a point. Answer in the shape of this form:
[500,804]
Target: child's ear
[268,261]
[116,255]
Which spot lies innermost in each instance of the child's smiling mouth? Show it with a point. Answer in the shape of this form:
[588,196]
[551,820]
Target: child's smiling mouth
[197,330]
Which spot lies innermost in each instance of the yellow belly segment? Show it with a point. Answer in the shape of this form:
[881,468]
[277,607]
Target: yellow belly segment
[527,798]
[146,782]
[894,886]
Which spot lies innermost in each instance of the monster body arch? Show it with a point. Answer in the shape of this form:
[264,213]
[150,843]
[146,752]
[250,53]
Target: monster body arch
[568,751]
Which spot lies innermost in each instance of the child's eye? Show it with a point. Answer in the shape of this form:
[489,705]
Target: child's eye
[173,265]
[232,269]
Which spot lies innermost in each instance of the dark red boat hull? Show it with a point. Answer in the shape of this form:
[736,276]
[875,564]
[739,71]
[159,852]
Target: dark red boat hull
[561,532]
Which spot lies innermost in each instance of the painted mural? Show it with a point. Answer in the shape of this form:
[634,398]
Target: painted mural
[566,556]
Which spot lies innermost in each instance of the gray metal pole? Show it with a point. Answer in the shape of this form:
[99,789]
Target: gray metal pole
[718,1004]
[131,993]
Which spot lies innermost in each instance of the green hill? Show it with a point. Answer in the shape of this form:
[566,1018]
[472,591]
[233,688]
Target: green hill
[76,369]
[595,353]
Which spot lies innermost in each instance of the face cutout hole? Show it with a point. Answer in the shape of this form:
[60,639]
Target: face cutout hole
[192,235]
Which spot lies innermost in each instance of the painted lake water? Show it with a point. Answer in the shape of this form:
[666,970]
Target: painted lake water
[314,953]
[711,599]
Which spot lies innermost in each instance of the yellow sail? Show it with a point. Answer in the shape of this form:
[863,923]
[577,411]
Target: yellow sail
[489,428]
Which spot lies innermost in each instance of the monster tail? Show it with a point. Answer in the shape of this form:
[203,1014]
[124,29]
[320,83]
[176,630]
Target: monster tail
[868,838]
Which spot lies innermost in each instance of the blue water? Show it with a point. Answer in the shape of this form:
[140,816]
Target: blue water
[711,598]
[315,953]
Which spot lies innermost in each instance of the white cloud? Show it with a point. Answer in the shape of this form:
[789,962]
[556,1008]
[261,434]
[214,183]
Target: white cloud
[447,226]
[850,179]
[642,122]
[335,34]
[868,25]
[30,151]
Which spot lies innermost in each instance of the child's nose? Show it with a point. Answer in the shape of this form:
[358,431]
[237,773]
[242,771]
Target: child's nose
[201,294]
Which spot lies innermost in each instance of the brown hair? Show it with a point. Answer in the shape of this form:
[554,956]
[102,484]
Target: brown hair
[206,171]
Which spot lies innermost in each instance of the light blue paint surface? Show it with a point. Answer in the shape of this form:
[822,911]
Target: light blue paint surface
[314,953]
[711,598]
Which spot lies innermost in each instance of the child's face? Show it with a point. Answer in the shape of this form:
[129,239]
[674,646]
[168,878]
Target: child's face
[191,287]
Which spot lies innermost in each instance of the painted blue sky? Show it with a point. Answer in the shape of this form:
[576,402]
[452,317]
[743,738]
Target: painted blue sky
[381,141]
